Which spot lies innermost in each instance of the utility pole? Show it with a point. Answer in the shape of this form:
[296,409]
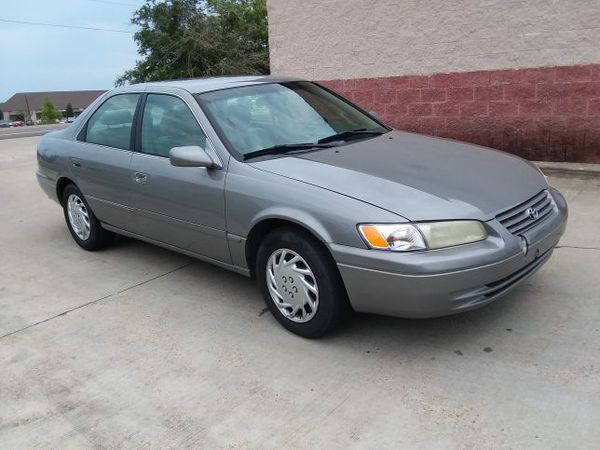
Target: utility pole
[28,110]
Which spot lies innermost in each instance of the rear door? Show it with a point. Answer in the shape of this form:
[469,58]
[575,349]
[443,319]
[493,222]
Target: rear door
[179,206]
[101,165]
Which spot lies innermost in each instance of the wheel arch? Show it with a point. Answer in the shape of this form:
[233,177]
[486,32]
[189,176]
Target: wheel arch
[264,225]
[61,184]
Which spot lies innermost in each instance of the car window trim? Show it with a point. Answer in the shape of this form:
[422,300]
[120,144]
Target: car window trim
[108,147]
[82,134]
[140,120]
[348,102]
[137,129]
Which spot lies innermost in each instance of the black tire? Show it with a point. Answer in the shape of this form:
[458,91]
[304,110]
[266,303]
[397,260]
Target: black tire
[98,237]
[333,307]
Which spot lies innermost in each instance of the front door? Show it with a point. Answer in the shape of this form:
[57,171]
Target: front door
[101,168]
[179,206]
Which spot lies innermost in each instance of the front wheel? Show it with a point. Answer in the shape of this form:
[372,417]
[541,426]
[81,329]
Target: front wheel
[300,283]
[81,221]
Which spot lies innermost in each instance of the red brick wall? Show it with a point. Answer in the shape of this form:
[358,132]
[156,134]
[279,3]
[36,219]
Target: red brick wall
[548,114]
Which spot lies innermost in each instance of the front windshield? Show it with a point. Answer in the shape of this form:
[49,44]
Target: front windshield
[263,116]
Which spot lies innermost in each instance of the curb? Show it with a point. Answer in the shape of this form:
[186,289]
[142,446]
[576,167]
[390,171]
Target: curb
[568,168]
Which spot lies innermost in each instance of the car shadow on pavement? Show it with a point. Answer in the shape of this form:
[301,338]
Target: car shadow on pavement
[366,332]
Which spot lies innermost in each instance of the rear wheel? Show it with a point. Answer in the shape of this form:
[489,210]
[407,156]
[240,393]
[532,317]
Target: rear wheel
[300,283]
[83,225]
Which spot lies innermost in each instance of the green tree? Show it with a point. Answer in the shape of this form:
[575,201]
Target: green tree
[69,110]
[49,112]
[194,38]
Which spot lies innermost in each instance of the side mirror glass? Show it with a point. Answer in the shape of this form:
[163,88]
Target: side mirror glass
[190,156]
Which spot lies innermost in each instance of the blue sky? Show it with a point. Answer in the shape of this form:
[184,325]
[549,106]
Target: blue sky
[38,58]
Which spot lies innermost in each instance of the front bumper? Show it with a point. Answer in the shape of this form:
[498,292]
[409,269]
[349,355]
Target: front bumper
[447,281]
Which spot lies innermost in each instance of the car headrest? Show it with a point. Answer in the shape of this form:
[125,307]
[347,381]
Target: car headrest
[117,117]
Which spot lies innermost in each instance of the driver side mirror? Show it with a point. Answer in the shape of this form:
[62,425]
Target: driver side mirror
[191,156]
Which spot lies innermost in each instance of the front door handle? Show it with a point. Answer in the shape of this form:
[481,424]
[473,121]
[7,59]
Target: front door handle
[140,177]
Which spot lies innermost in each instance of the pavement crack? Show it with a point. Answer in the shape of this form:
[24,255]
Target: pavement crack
[578,247]
[75,308]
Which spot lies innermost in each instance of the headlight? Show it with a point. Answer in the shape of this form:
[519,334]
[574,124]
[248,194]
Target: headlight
[400,238]
[448,234]
[422,236]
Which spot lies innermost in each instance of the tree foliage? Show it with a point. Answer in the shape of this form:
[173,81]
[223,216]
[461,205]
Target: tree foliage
[49,112]
[69,110]
[195,38]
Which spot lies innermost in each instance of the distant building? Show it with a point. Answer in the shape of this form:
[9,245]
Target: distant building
[25,105]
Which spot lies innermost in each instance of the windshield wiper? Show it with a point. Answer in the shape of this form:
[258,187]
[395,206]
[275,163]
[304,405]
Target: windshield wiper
[286,148]
[326,142]
[351,133]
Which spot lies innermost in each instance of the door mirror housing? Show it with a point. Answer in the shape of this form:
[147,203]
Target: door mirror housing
[191,156]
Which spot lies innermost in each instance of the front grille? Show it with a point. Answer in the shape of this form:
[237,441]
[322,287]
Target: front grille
[495,288]
[517,219]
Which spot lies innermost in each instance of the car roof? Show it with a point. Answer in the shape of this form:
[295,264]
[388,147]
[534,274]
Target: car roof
[199,85]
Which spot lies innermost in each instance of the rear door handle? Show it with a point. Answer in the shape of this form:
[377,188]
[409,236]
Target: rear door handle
[140,177]
[76,163]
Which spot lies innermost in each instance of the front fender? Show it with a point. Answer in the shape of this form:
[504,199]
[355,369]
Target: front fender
[254,195]
[300,217]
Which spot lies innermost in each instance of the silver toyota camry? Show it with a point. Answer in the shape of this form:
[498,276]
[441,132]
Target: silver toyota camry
[286,181]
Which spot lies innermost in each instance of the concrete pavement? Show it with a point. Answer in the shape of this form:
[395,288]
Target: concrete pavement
[549,167]
[137,346]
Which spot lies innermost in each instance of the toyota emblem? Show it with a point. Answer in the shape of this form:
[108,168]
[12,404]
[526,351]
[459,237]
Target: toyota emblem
[532,213]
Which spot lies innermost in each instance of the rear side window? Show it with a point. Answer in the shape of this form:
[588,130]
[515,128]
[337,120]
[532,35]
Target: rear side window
[168,123]
[112,122]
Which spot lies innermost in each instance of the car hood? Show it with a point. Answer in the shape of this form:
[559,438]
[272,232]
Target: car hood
[417,177]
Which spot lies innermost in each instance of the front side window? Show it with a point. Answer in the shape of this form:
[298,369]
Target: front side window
[168,123]
[258,117]
[112,122]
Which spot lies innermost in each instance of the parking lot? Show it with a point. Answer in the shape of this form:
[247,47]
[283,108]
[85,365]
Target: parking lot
[139,346]
[29,131]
